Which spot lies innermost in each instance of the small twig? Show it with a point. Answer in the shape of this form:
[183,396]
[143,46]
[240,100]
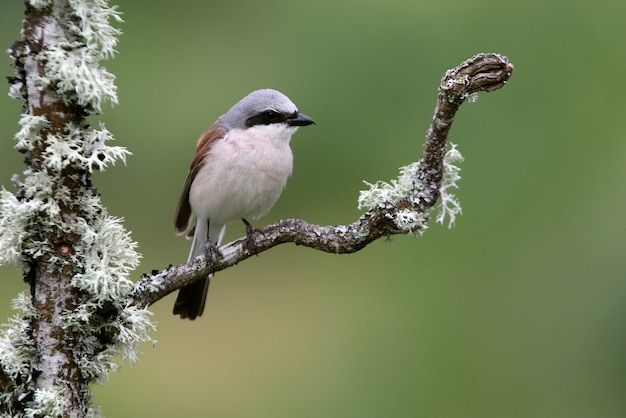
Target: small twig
[483,72]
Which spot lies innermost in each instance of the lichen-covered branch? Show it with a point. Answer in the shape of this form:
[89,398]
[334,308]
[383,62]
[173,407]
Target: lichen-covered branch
[400,207]
[71,328]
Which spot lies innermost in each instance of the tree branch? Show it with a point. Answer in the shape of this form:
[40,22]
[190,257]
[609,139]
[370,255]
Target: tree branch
[483,72]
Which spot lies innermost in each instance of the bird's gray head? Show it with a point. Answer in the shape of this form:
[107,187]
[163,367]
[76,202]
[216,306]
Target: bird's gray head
[264,107]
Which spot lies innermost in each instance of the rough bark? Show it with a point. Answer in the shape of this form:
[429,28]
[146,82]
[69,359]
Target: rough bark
[48,279]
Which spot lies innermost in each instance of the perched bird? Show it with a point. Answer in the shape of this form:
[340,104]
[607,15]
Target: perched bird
[241,166]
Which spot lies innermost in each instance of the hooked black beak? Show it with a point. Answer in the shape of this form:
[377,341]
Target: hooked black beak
[300,119]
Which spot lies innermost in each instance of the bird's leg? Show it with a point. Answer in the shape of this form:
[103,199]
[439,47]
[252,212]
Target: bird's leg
[250,242]
[211,250]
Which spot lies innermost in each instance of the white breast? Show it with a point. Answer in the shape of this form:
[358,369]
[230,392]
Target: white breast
[243,175]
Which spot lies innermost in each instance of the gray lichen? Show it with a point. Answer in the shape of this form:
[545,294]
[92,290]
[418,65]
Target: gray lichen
[55,200]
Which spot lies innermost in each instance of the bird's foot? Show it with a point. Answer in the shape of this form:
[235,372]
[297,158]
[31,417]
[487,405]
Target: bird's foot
[250,244]
[211,252]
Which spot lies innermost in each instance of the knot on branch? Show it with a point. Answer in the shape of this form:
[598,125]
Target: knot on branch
[482,72]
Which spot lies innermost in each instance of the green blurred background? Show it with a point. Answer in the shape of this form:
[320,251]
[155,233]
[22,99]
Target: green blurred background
[518,311]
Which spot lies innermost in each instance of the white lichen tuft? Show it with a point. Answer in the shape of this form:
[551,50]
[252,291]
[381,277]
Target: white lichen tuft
[129,329]
[381,191]
[407,185]
[23,303]
[12,228]
[83,149]
[30,132]
[135,326]
[72,65]
[449,206]
[93,25]
[75,73]
[17,350]
[48,402]
[107,257]
[100,154]
[412,221]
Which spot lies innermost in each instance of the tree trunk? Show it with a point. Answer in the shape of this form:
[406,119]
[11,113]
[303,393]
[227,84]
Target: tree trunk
[75,257]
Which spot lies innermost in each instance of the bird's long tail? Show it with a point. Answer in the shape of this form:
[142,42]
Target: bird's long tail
[192,298]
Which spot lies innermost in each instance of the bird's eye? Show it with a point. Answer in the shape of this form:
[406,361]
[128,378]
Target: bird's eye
[267,117]
[272,116]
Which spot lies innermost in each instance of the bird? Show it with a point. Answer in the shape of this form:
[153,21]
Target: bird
[240,168]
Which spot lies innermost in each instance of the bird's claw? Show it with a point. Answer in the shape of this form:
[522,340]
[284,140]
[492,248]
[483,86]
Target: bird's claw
[211,252]
[250,243]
